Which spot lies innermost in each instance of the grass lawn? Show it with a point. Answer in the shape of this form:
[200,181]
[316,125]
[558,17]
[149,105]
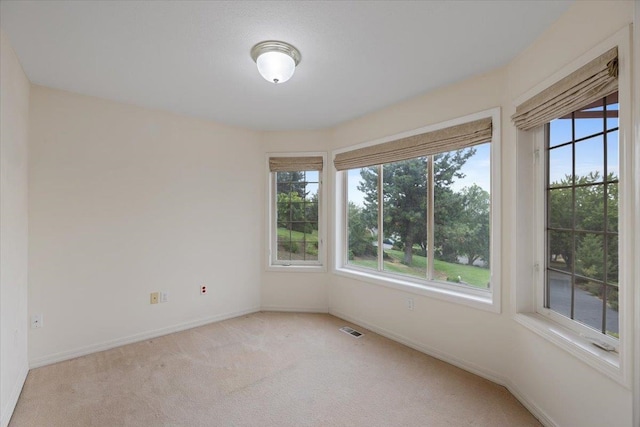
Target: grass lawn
[297,236]
[474,276]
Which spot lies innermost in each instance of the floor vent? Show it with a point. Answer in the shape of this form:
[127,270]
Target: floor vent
[348,330]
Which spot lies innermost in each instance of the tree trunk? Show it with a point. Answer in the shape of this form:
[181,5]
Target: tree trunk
[408,252]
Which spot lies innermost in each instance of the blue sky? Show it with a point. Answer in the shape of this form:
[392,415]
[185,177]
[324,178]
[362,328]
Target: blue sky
[589,155]
[477,170]
[589,152]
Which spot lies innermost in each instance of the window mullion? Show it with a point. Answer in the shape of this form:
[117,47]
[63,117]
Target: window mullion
[430,217]
[380,220]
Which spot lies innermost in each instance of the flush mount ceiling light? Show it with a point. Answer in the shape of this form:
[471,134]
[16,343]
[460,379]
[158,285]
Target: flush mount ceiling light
[276,60]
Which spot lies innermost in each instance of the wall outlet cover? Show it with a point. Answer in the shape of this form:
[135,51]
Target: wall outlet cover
[36,321]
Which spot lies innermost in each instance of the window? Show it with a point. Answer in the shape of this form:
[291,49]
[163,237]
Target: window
[581,187]
[296,211]
[574,236]
[417,211]
[429,215]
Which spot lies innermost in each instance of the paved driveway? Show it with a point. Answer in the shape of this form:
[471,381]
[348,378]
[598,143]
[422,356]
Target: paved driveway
[588,308]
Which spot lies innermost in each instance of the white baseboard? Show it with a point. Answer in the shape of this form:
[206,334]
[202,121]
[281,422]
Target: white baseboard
[537,412]
[10,406]
[462,364]
[93,348]
[295,309]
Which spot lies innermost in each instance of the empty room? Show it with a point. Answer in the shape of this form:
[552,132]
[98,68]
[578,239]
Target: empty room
[320,213]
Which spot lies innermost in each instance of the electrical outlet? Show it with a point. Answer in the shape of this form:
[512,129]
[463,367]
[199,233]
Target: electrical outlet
[36,321]
[164,296]
[203,289]
[409,303]
[154,297]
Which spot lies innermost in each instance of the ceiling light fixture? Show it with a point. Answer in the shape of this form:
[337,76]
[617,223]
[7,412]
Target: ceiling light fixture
[276,60]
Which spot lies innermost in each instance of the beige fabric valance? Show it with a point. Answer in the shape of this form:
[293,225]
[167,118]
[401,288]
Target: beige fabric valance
[594,80]
[425,144]
[288,164]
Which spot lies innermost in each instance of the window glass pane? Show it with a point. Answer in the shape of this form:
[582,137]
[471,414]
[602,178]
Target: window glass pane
[560,132]
[362,221]
[462,216]
[612,207]
[311,251]
[612,156]
[283,188]
[612,321]
[590,208]
[613,109]
[405,217]
[560,166]
[559,292]
[312,176]
[589,121]
[296,216]
[590,255]
[560,250]
[588,303]
[296,249]
[612,259]
[561,208]
[612,118]
[311,192]
[284,241]
[590,160]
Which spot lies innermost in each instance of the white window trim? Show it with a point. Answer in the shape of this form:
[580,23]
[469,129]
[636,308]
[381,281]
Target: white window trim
[318,266]
[488,300]
[528,226]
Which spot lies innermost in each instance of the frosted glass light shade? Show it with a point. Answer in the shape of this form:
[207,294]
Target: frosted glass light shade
[276,60]
[276,67]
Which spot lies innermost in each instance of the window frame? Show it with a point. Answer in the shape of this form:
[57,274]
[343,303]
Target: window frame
[529,226]
[273,264]
[484,299]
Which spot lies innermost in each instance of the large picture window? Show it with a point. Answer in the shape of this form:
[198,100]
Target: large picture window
[426,217]
[417,211]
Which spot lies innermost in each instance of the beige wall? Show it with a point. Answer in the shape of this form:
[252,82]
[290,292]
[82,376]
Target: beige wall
[287,290]
[126,201]
[554,384]
[14,109]
[581,396]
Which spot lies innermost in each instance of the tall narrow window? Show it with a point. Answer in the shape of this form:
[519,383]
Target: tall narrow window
[296,210]
[582,215]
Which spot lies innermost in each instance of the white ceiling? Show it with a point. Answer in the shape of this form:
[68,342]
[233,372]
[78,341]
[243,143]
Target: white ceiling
[193,57]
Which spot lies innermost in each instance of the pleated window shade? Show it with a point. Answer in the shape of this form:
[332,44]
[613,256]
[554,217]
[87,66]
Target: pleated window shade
[288,164]
[587,84]
[425,144]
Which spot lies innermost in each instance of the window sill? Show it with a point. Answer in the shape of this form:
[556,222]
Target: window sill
[296,268]
[608,363]
[476,298]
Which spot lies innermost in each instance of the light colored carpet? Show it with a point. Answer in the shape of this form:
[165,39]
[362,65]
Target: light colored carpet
[265,369]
